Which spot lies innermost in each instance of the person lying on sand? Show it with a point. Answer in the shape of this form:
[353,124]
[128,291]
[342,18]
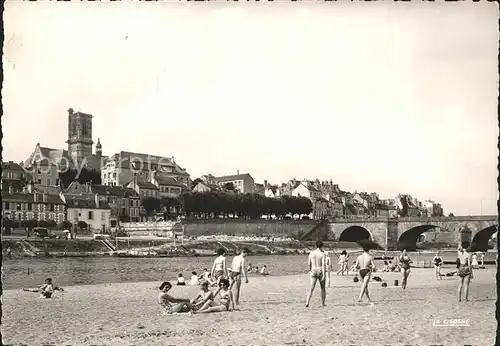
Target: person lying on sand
[203,296]
[171,304]
[46,289]
[226,299]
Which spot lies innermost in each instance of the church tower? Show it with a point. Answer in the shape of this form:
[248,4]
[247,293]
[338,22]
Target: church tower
[79,135]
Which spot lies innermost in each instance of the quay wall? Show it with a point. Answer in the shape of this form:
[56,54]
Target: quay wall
[272,228]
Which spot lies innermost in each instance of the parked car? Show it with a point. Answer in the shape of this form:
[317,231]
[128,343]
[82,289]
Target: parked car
[42,233]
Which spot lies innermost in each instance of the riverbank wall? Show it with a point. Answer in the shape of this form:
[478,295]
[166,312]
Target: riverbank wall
[258,228]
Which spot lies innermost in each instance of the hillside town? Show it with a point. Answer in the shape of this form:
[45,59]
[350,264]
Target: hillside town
[79,185]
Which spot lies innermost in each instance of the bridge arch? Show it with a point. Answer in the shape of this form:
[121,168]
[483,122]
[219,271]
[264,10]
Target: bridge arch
[481,239]
[354,234]
[408,240]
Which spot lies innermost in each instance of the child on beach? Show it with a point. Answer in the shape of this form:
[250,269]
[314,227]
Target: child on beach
[226,299]
[343,262]
[475,263]
[180,280]
[194,279]
[171,304]
[264,271]
[206,274]
[46,290]
[203,296]
[437,265]
[365,264]
[219,269]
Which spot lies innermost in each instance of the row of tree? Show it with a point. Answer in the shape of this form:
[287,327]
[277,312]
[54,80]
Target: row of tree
[86,176]
[216,204]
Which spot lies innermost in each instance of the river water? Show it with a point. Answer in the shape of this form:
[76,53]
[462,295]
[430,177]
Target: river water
[68,271]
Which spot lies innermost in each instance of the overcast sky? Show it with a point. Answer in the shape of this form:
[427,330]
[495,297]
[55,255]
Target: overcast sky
[386,97]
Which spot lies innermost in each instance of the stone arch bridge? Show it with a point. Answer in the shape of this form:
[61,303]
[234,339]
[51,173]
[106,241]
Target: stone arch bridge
[402,233]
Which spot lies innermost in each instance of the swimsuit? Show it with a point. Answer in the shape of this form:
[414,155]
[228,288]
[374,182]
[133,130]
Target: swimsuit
[463,270]
[317,273]
[437,261]
[233,274]
[218,273]
[224,299]
[405,263]
[363,272]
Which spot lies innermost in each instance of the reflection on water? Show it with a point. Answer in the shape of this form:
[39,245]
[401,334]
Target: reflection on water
[31,272]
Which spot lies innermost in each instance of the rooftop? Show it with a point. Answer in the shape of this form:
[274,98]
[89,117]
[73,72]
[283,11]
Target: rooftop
[22,197]
[233,177]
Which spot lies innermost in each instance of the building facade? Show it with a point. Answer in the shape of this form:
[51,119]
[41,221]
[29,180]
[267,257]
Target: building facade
[82,204]
[119,169]
[242,183]
[144,188]
[205,187]
[96,214]
[13,177]
[123,202]
[32,205]
[167,186]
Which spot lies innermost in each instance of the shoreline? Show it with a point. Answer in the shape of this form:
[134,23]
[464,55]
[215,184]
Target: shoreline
[141,248]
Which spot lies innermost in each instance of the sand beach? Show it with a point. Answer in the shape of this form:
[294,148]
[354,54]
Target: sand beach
[271,312]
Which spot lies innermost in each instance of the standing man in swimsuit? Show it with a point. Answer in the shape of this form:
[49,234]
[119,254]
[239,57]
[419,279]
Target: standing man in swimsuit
[237,269]
[365,264]
[317,271]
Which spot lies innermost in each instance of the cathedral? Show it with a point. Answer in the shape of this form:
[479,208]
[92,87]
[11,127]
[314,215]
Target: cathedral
[79,153]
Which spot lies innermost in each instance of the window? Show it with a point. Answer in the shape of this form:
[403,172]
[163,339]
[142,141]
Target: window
[18,206]
[105,176]
[91,215]
[39,181]
[30,206]
[114,175]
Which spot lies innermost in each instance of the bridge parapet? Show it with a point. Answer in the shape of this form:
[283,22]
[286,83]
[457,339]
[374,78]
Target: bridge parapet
[419,219]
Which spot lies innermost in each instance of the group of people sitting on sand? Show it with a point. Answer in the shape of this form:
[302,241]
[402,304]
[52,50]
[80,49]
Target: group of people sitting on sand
[204,301]
[221,276]
[263,271]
